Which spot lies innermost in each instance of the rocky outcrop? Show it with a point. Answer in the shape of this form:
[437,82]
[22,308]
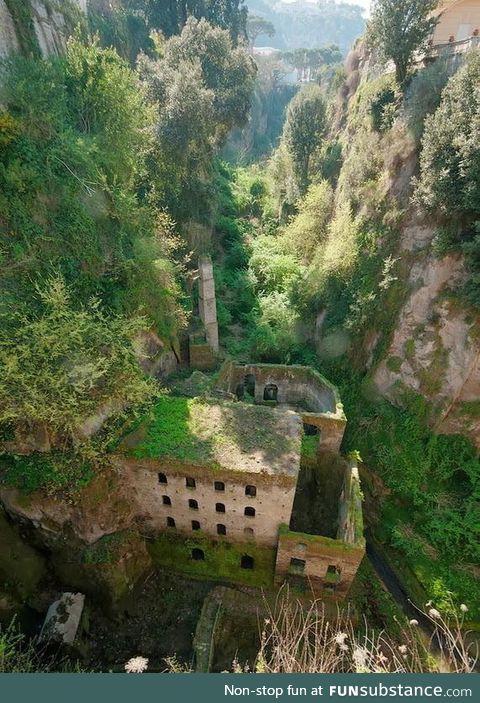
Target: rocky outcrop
[40,24]
[102,508]
[91,541]
[8,36]
[435,349]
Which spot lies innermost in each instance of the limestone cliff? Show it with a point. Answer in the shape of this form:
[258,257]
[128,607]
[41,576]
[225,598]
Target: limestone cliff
[435,350]
[38,26]
[426,339]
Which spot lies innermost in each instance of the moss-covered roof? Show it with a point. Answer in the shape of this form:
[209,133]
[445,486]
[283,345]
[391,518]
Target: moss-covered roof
[226,435]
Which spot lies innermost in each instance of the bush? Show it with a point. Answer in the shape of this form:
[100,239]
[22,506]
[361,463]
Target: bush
[424,94]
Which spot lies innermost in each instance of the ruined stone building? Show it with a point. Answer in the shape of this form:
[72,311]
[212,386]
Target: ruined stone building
[223,491]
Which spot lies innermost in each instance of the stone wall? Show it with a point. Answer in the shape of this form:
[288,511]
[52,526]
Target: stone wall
[303,388]
[329,566]
[272,503]
[8,36]
[202,356]
[207,302]
[350,517]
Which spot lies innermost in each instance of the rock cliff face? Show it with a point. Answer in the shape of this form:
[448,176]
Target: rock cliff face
[40,25]
[435,350]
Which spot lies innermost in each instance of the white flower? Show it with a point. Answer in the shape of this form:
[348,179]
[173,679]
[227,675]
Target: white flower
[359,657]
[428,604]
[340,637]
[402,649]
[344,647]
[136,665]
[464,608]
[434,613]
[414,623]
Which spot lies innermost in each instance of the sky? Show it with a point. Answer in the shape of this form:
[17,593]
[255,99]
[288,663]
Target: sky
[364,3]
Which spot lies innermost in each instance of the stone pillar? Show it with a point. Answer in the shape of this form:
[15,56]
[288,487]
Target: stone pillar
[207,301]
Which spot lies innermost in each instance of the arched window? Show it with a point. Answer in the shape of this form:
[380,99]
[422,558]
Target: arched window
[162,478]
[219,486]
[193,504]
[170,522]
[247,562]
[219,507]
[221,529]
[248,532]
[198,554]
[270,392]
[166,500]
[195,525]
[190,482]
[249,511]
[251,491]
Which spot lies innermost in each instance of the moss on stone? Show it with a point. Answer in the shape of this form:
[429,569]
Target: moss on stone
[221,562]
[394,363]
[470,408]
[409,348]
[225,435]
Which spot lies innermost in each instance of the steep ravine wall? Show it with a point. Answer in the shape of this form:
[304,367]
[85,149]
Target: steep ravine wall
[41,26]
[435,349]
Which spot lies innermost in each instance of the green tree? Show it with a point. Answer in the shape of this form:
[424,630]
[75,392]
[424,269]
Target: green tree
[449,183]
[256,26]
[76,133]
[60,366]
[227,70]
[450,159]
[203,87]
[309,228]
[170,16]
[304,131]
[398,29]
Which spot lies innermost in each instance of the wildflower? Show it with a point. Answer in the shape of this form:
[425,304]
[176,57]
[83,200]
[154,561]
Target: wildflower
[414,623]
[360,658]
[402,649]
[428,604]
[434,613]
[464,608]
[340,638]
[136,665]
[344,647]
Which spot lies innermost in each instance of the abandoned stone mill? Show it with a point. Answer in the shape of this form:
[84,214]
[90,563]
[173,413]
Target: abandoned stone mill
[235,496]
[235,475]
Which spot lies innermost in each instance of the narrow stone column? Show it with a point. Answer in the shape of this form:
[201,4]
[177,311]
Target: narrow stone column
[207,301]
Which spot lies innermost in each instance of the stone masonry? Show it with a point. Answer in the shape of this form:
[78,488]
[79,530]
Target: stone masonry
[207,301]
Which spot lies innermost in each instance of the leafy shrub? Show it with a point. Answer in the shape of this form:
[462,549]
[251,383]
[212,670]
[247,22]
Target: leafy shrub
[424,94]
[382,116]
[59,367]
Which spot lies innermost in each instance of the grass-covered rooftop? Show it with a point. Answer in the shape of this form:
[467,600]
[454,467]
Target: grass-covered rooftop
[225,435]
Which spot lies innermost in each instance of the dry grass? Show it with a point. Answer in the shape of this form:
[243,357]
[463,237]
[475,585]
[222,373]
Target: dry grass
[299,640]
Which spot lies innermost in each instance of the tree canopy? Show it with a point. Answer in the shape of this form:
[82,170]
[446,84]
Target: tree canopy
[400,28]
[304,130]
[62,365]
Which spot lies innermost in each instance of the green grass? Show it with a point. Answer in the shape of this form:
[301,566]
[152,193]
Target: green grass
[222,559]
[192,430]
[56,471]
